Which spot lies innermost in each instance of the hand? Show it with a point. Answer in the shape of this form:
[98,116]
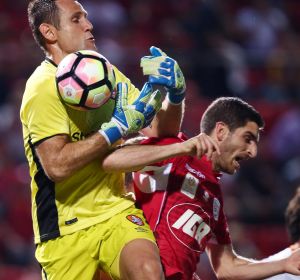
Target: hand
[130,118]
[292,263]
[200,145]
[165,71]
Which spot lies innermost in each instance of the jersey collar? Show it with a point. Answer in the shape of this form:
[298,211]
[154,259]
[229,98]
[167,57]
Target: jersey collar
[51,61]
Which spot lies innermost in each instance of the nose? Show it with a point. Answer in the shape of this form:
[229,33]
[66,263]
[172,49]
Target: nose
[252,150]
[88,25]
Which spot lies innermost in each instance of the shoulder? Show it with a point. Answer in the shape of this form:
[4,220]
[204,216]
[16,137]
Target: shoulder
[44,73]
[41,80]
[40,90]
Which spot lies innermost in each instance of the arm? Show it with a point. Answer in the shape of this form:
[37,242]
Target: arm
[134,157]
[61,158]
[228,265]
[167,122]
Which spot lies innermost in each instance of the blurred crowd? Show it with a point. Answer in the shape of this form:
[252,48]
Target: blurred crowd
[245,48]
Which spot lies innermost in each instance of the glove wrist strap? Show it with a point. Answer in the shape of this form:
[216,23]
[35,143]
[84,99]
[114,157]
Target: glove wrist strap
[175,98]
[111,134]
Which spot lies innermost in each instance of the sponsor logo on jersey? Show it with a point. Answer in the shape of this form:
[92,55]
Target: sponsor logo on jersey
[76,136]
[194,171]
[141,229]
[135,219]
[72,221]
[189,224]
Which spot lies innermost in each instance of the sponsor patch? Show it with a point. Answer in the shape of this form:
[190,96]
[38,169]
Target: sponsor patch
[189,185]
[70,222]
[141,229]
[135,219]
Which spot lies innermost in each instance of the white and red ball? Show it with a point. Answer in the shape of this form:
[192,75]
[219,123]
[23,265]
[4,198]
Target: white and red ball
[85,80]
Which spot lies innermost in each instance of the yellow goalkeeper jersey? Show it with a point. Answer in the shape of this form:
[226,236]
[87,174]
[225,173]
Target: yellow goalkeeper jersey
[89,196]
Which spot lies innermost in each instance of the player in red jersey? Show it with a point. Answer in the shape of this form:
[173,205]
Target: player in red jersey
[182,202]
[177,186]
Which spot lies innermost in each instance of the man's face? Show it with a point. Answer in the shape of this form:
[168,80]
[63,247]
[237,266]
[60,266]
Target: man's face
[238,145]
[75,32]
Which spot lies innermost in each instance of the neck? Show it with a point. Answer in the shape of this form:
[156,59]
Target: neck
[55,53]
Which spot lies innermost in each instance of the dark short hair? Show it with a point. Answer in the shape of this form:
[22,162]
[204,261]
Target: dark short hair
[292,217]
[42,11]
[232,111]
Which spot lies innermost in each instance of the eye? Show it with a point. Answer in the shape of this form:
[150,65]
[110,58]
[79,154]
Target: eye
[248,139]
[75,20]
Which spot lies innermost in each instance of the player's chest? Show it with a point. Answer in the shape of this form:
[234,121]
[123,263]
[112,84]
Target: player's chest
[192,210]
[82,124]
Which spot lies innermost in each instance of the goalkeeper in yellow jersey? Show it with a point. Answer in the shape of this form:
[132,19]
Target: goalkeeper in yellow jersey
[83,220]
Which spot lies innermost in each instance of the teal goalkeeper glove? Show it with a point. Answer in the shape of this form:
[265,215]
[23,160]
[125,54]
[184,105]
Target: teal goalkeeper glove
[165,71]
[131,118]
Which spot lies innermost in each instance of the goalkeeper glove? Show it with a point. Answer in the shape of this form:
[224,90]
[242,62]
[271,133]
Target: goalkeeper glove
[165,71]
[130,118]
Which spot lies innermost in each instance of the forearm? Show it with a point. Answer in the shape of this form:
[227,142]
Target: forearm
[228,265]
[61,158]
[246,269]
[135,157]
[167,121]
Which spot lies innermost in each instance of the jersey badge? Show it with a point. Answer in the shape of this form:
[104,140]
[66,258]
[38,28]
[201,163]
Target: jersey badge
[216,208]
[189,185]
[135,219]
[206,196]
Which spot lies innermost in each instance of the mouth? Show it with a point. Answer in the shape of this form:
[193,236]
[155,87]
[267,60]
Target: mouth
[237,161]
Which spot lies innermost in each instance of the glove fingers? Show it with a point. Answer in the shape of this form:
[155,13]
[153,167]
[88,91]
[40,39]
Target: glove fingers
[168,64]
[160,80]
[122,94]
[157,51]
[143,98]
[155,101]
[152,59]
[149,117]
[165,72]
[150,65]
[150,70]
[152,107]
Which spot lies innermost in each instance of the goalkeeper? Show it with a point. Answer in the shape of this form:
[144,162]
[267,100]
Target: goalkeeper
[82,218]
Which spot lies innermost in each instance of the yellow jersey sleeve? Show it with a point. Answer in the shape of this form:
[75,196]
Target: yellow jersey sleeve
[42,112]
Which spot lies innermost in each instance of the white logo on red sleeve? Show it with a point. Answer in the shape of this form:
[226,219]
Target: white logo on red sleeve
[158,180]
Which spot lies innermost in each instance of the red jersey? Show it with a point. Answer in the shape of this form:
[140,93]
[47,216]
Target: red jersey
[182,202]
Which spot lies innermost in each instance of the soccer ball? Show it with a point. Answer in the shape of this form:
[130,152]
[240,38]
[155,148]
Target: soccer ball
[85,80]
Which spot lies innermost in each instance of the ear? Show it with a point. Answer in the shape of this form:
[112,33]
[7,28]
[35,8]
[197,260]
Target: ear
[221,131]
[48,31]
